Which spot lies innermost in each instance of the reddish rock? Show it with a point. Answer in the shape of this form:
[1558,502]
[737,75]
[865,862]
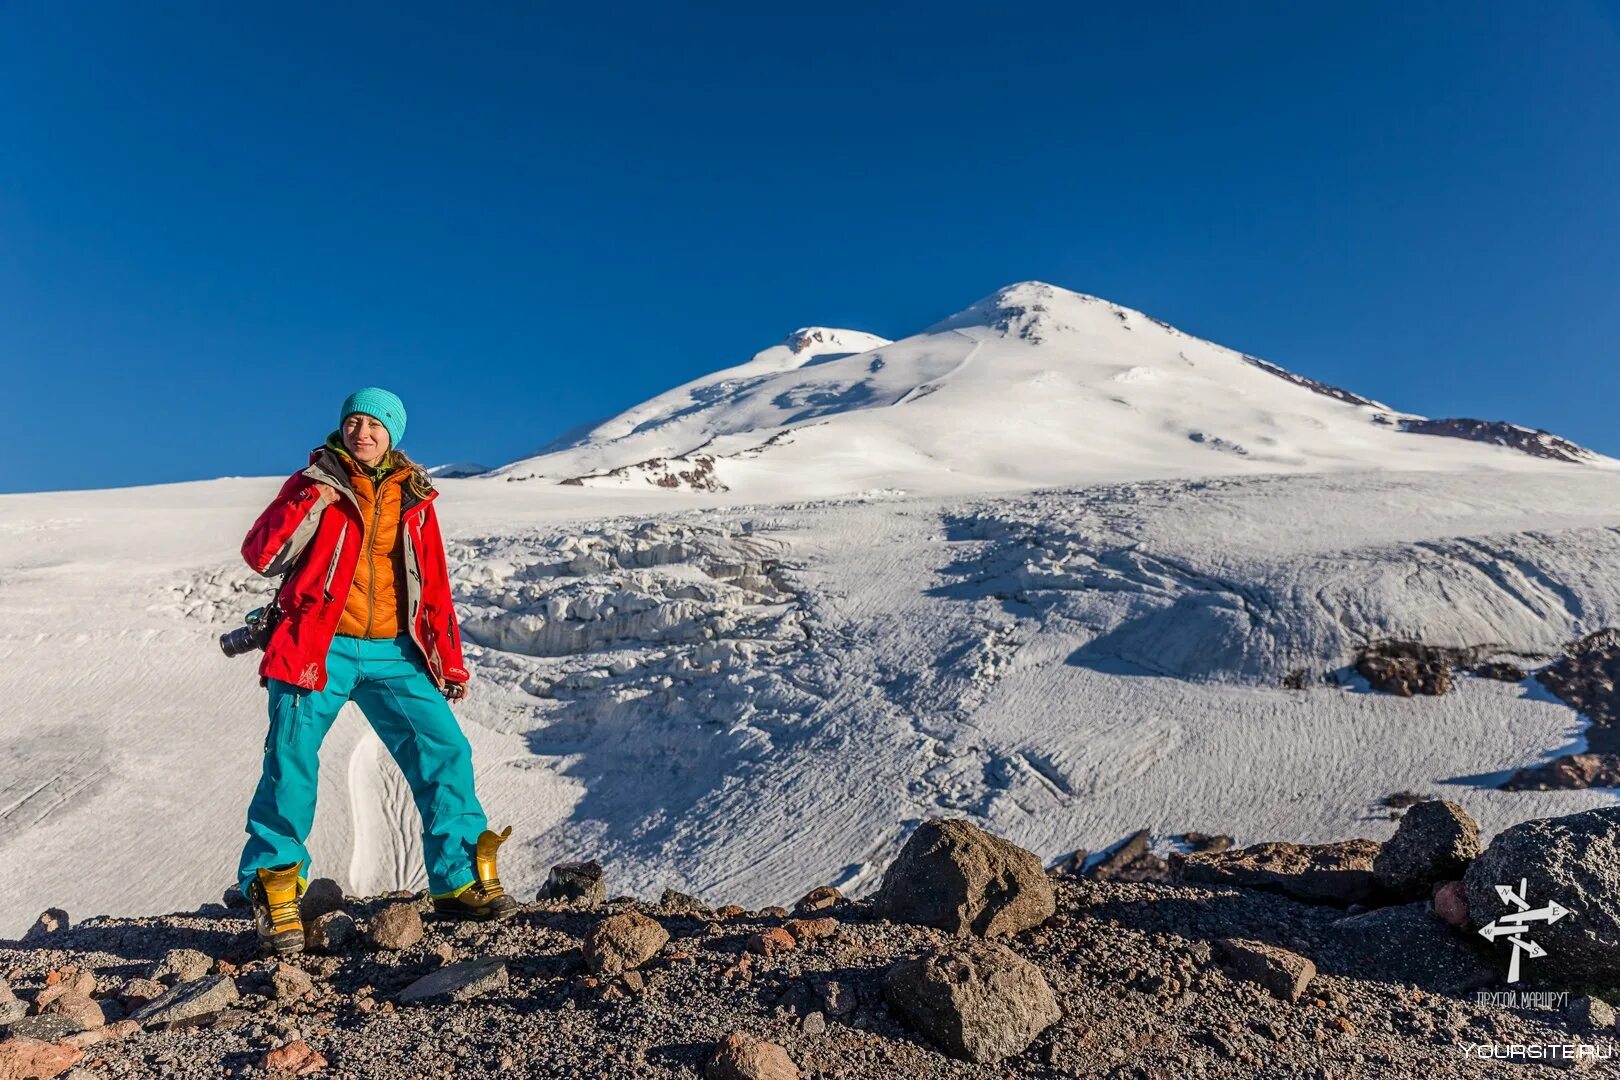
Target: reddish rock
[30,1059]
[1451,903]
[820,898]
[1567,773]
[804,930]
[730,911]
[80,1007]
[296,1058]
[740,1056]
[622,942]
[771,942]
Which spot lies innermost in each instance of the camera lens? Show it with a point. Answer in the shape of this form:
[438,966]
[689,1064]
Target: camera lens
[241,640]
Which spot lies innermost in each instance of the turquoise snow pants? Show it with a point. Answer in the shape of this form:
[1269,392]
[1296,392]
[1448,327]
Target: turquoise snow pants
[389,681]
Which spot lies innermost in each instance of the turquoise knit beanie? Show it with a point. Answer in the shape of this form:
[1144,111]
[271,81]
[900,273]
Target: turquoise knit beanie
[376,402]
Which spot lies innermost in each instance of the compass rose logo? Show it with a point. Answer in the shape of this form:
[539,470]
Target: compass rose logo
[1515,926]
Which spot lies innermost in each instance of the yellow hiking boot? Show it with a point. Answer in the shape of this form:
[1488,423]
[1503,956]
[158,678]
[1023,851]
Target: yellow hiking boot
[274,895]
[482,898]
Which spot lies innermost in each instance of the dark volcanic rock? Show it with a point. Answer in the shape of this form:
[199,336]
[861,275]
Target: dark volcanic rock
[1337,873]
[679,903]
[331,933]
[323,895]
[1131,861]
[976,1000]
[1435,842]
[50,921]
[1591,1014]
[1573,861]
[963,880]
[47,1026]
[1407,944]
[1500,670]
[1584,677]
[577,882]
[1532,441]
[1404,675]
[1567,773]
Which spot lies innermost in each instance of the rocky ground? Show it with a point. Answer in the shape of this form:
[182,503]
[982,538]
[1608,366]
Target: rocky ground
[970,961]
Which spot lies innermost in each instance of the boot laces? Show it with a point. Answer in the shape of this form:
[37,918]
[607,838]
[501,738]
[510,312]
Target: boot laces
[284,911]
[491,888]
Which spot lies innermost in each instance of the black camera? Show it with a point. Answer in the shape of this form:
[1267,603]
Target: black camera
[260,621]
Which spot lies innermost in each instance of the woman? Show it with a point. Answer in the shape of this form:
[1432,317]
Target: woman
[364,614]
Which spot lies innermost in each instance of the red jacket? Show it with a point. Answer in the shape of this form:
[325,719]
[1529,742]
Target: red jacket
[320,544]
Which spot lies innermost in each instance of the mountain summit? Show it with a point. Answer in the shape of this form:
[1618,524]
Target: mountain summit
[1031,386]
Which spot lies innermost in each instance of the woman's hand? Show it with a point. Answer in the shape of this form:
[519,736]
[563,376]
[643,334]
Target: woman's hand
[327,492]
[455,691]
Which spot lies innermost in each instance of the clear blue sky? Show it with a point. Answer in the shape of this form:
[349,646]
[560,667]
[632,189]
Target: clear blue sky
[217,219]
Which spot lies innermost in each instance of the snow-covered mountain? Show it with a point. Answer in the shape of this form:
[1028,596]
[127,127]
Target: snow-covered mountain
[1033,386]
[1049,564]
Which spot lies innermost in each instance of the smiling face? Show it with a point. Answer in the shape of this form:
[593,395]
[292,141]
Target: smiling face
[366,438]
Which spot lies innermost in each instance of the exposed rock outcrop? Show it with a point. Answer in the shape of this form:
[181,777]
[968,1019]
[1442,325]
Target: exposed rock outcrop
[955,876]
[1568,772]
[1337,873]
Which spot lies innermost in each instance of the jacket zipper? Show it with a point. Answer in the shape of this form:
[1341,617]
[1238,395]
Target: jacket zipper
[371,544]
[326,586]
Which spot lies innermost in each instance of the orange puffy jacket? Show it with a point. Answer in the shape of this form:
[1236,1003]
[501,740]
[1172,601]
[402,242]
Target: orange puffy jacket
[375,608]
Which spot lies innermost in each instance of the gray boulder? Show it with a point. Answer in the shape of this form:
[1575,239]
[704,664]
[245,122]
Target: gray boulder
[1435,842]
[181,965]
[188,1003]
[963,880]
[1572,861]
[975,1000]
[458,982]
